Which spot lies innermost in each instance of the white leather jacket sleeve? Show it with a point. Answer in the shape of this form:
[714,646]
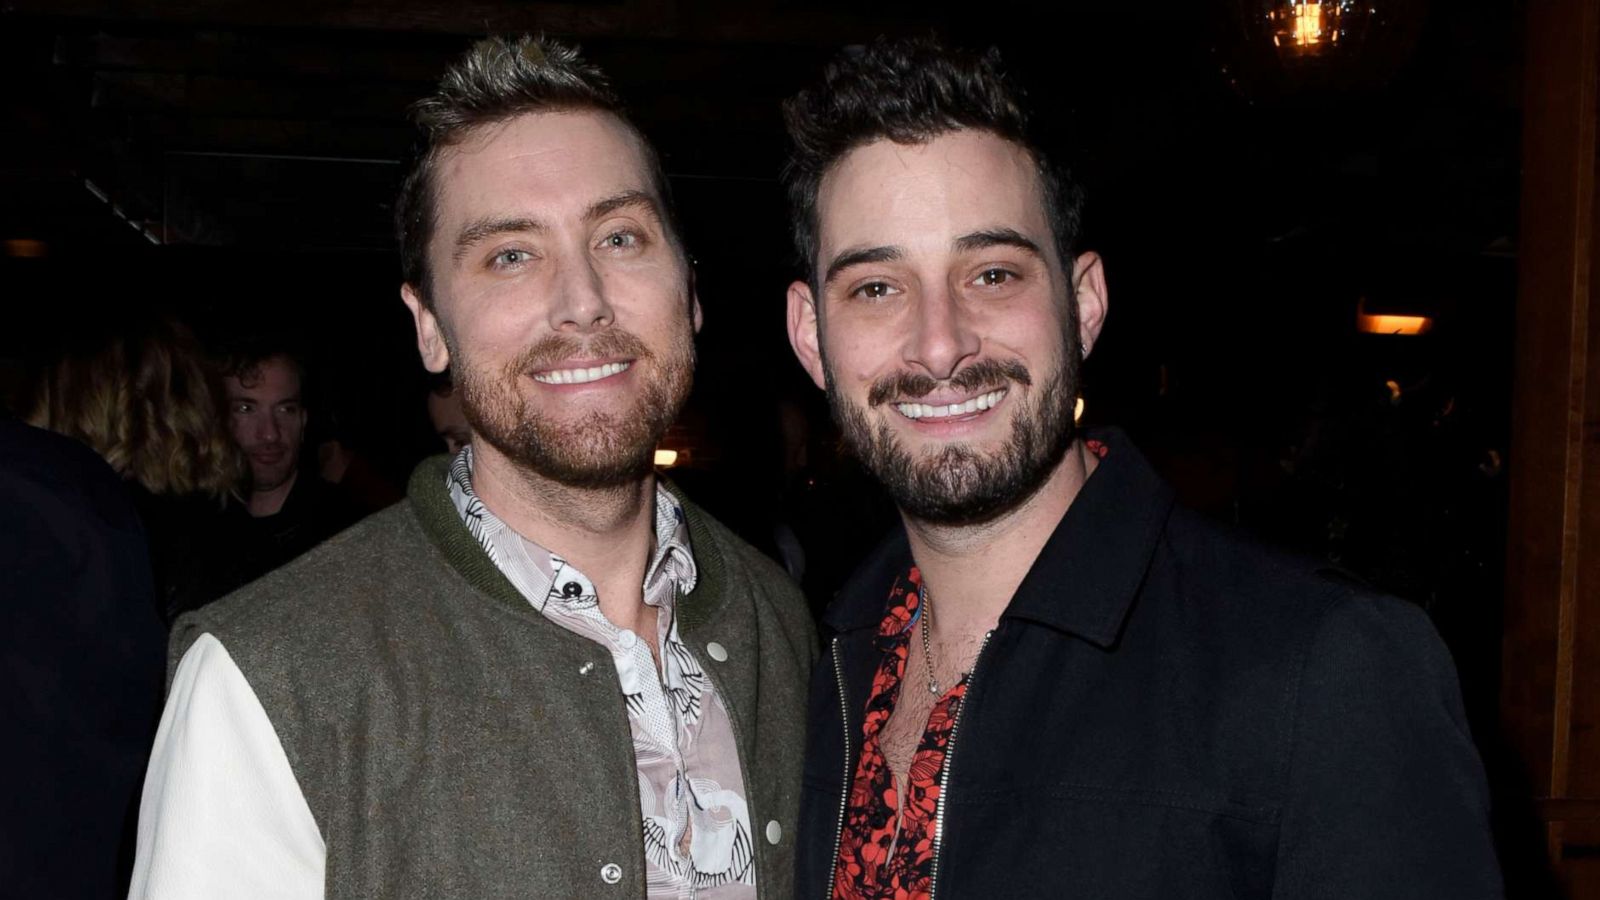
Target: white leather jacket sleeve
[222,814]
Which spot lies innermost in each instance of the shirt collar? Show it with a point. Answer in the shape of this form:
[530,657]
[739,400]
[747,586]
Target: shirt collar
[671,558]
[1087,575]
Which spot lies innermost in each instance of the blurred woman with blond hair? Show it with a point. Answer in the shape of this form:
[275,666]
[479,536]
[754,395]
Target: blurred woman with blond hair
[144,400]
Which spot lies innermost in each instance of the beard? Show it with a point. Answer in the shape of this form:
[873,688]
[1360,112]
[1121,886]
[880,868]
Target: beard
[596,450]
[959,484]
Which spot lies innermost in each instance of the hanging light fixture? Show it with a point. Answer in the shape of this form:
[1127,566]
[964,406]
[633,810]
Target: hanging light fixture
[1309,27]
[1281,46]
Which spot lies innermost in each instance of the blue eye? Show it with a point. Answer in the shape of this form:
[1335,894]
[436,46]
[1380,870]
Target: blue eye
[507,258]
[620,240]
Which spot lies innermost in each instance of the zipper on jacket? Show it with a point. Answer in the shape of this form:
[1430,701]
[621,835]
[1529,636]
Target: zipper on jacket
[844,790]
[949,763]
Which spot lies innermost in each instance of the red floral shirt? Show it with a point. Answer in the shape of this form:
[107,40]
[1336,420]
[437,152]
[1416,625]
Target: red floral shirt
[872,863]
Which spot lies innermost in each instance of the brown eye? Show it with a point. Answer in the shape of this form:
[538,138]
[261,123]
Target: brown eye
[994,277]
[874,290]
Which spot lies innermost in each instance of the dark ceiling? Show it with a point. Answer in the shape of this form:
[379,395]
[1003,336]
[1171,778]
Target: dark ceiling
[241,157]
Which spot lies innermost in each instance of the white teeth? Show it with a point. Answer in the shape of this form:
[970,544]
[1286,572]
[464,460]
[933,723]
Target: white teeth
[581,376]
[924,411]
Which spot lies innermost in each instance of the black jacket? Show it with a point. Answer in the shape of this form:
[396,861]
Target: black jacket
[83,653]
[1166,710]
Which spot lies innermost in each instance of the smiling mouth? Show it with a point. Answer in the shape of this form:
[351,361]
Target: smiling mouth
[581,375]
[976,404]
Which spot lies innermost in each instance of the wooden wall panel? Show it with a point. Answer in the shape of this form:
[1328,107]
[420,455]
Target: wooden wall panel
[1551,650]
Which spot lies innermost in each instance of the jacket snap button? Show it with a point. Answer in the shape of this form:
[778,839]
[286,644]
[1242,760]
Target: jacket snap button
[717,652]
[774,832]
[611,873]
[586,668]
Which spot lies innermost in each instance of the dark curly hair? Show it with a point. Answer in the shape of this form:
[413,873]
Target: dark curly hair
[910,91]
[498,79]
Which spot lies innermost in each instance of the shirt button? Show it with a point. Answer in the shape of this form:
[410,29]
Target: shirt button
[611,873]
[626,639]
[717,652]
[774,832]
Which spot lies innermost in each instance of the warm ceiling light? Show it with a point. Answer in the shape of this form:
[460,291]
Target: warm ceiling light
[26,248]
[666,458]
[1385,324]
[1307,23]
[1077,410]
[1308,27]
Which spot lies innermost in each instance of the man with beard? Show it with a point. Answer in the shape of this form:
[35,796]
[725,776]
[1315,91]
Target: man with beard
[1052,681]
[545,674]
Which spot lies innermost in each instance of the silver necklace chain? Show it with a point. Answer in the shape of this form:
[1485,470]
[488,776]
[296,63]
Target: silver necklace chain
[927,645]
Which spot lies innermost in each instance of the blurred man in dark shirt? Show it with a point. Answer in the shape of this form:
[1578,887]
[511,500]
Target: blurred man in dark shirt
[288,509]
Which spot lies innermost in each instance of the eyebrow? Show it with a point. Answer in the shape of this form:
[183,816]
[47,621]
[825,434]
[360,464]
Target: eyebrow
[996,237]
[976,240]
[634,198]
[252,398]
[482,229]
[859,256]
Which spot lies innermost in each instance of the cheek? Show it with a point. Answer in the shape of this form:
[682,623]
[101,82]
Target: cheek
[1035,336]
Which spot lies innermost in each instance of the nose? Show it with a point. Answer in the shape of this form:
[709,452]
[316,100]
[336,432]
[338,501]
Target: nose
[943,336]
[580,302]
[267,430]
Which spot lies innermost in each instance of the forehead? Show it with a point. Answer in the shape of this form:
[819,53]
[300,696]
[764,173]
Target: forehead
[886,193]
[275,378]
[543,165]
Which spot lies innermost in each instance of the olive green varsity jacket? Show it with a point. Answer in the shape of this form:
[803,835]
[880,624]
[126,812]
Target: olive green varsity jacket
[452,742]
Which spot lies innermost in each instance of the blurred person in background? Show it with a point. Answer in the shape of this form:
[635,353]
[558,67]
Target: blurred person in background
[444,411]
[139,451]
[141,396]
[288,508]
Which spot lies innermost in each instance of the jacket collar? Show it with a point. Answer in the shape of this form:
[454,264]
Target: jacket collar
[1087,575]
[429,495]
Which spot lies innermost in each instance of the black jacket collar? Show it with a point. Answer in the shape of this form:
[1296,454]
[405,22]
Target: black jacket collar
[1086,577]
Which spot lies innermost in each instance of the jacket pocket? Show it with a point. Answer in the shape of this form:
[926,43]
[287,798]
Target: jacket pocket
[1060,839]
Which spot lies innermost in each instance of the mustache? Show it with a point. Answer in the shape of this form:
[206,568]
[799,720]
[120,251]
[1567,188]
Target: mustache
[558,348]
[985,373]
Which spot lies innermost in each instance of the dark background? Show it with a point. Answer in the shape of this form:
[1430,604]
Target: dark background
[235,163]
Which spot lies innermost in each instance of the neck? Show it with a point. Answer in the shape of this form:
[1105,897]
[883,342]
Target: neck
[974,570]
[607,532]
[270,502]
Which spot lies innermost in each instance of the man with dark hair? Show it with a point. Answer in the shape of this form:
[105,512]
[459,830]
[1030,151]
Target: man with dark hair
[1115,697]
[264,387]
[545,674]
[286,510]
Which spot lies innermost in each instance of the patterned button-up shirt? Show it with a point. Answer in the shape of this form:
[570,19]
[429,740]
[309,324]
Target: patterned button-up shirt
[696,829]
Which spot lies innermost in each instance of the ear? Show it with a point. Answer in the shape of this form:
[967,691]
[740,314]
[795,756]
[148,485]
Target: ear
[430,339]
[1089,282]
[694,302]
[803,335]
